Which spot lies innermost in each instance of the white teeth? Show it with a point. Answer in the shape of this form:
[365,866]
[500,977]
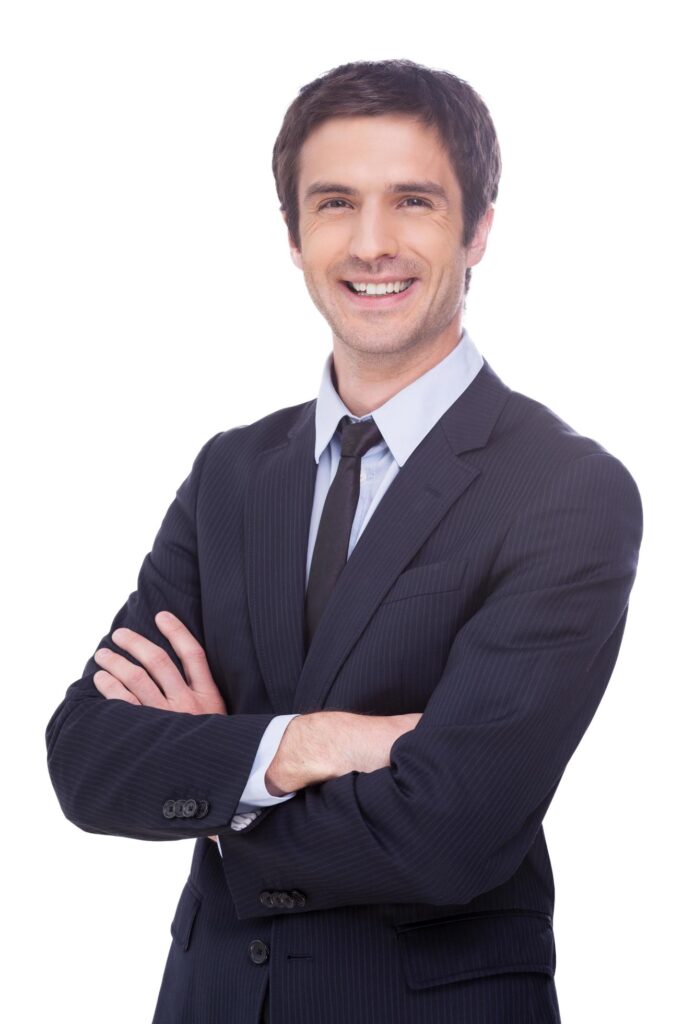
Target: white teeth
[380,289]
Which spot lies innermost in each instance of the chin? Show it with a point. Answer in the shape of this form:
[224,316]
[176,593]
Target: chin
[372,346]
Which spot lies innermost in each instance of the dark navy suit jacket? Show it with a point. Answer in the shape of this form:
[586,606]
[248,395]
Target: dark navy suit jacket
[489,591]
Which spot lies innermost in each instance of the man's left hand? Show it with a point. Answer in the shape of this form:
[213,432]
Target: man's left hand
[159,684]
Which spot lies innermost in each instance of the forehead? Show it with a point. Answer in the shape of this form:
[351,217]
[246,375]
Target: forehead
[368,153]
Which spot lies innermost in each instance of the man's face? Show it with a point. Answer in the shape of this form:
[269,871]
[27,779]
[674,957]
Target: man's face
[379,202]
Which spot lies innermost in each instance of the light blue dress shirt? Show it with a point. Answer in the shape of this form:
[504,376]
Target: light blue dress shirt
[404,421]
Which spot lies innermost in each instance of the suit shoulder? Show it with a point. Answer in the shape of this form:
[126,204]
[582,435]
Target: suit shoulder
[540,429]
[268,431]
[532,448]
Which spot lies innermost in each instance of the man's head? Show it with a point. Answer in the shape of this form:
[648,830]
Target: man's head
[347,141]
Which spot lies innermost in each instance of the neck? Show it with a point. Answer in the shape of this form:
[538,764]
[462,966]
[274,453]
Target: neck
[366,380]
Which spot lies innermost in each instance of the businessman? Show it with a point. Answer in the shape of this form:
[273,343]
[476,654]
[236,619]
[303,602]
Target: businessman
[372,628]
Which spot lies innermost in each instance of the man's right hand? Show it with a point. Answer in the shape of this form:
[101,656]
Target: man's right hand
[327,744]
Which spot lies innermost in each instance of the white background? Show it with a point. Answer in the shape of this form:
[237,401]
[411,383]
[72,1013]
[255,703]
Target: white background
[148,301]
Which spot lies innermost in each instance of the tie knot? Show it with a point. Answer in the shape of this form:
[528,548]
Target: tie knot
[358,438]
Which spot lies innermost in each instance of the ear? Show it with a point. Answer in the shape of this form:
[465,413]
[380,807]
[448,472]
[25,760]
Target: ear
[477,247]
[293,251]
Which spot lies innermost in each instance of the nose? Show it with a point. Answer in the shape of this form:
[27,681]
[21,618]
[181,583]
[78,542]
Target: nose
[373,236]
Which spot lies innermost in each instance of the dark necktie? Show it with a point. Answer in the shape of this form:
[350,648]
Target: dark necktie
[334,532]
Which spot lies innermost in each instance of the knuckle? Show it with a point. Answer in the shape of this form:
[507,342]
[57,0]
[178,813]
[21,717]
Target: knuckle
[158,659]
[138,676]
[182,642]
[196,656]
[178,705]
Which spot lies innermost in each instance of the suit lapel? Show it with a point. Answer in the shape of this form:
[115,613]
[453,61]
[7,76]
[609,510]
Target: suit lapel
[427,486]
[276,524]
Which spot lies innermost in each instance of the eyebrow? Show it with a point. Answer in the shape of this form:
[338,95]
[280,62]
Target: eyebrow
[427,188]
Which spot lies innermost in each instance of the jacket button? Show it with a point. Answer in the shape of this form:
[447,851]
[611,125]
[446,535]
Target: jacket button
[169,809]
[287,900]
[190,809]
[298,897]
[258,952]
[267,899]
[202,809]
[180,808]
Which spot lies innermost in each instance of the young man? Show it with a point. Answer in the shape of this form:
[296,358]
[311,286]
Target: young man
[372,628]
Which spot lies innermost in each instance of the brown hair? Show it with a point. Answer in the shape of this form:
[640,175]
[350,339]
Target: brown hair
[366,88]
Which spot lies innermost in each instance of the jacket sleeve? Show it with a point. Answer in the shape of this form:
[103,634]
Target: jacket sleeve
[455,813]
[118,768]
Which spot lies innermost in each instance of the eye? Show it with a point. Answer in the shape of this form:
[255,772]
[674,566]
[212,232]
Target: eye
[417,199]
[328,201]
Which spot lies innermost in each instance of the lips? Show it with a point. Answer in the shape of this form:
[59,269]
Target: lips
[378,303]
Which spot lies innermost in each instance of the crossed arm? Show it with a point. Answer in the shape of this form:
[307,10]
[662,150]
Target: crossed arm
[462,796]
[316,747]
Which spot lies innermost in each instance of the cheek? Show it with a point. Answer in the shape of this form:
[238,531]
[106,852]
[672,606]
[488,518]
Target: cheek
[322,242]
[432,241]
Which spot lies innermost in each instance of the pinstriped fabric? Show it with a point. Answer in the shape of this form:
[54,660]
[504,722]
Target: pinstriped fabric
[490,591]
[114,765]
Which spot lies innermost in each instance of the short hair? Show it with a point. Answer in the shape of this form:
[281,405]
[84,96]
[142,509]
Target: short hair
[370,88]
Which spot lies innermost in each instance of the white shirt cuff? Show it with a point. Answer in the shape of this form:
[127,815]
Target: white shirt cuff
[255,793]
[255,796]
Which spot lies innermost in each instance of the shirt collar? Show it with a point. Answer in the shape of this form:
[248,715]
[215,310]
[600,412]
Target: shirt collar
[406,418]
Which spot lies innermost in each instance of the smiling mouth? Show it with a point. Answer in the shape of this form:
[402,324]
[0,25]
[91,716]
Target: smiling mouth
[406,284]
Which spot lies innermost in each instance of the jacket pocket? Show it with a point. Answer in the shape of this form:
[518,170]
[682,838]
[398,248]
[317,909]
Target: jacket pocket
[475,946]
[432,578]
[186,911]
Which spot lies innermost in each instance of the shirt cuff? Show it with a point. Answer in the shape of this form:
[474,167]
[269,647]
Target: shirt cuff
[255,795]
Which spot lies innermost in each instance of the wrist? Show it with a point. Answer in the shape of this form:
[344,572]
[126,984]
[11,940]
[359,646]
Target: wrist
[284,774]
[306,753]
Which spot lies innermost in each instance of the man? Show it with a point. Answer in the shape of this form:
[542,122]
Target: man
[373,627]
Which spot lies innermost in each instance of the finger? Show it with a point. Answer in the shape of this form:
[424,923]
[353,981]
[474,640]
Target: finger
[154,660]
[112,688]
[189,650]
[134,678]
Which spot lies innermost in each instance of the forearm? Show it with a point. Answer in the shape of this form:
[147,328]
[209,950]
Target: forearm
[114,766]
